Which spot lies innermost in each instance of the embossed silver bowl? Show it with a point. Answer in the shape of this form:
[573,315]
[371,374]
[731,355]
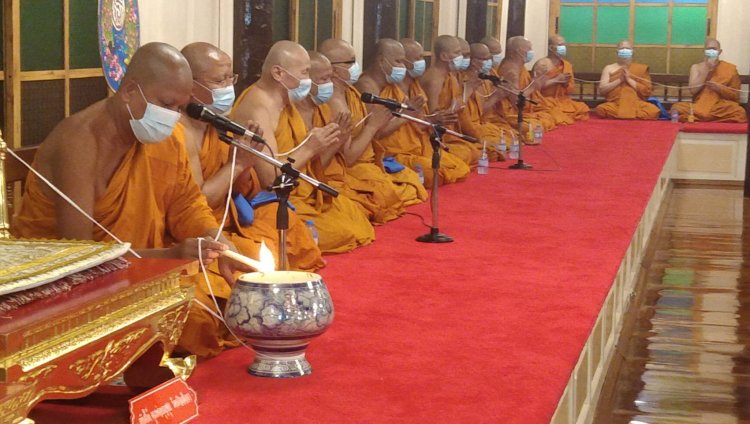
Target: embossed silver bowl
[278,313]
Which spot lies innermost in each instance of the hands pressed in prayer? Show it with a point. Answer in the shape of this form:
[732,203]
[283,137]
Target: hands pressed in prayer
[344,121]
[444,117]
[380,117]
[416,103]
[322,138]
[715,86]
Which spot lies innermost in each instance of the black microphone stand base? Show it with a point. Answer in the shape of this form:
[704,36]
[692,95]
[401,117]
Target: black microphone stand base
[520,165]
[434,236]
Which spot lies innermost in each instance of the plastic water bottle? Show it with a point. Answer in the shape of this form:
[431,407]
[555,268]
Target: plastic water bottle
[484,161]
[502,147]
[310,224]
[514,148]
[420,173]
[538,134]
[675,117]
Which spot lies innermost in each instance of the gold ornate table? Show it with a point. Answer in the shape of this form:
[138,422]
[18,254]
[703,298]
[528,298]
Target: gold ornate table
[65,346]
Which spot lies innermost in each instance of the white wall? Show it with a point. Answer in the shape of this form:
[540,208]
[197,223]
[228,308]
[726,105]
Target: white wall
[180,22]
[536,26]
[733,32]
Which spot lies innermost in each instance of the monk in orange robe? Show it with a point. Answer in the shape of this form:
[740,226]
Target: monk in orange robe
[406,141]
[341,224]
[368,166]
[117,161]
[496,50]
[211,164]
[444,93]
[715,86]
[626,86]
[560,81]
[518,78]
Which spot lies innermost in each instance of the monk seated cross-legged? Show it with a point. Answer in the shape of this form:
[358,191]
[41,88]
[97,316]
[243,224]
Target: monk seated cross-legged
[715,86]
[560,81]
[444,93]
[116,160]
[341,223]
[393,187]
[518,78]
[626,86]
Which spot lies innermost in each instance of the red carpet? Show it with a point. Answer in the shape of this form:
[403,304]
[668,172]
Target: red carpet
[485,329]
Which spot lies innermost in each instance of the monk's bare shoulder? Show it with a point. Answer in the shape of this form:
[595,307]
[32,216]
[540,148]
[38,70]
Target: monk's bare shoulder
[73,141]
[338,104]
[367,85]
[432,80]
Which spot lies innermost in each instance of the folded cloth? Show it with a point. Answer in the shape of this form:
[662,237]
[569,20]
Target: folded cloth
[391,165]
[663,114]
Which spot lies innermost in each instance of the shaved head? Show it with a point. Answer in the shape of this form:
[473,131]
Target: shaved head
[446,44]
[625,44]
[517,43]
[337,50]
[465,49]
[412,49]
[286,54]
[211,68]
[556,40]
[200,56]
[542,66]
[712,43]
[479,51]
[318,64]
[156,64]
[388,47]
[493,44]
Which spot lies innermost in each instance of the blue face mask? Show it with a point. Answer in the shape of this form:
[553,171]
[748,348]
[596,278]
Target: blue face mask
[561,50]
[223,98]
[465,63]
[418,68]
[486,66]
[156,124]
[456,63]
[301,91]
[324,94]
[625,53]
[354,73]
[398,73]
[711,53]
[529,56]
[496,59]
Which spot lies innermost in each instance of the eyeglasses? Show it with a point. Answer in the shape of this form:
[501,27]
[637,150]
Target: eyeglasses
[348,62]
[233,79]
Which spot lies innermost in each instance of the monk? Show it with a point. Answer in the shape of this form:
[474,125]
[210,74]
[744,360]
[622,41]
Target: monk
[284,81]
[518,78]
[481,97]
[369,166]
[496,50]
[715,86]
[560,81]
[116,160]
[465,54]
[410,142]
[626,86]
[210,161]
[443,90]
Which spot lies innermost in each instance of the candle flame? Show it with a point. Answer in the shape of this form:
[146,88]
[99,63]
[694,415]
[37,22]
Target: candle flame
[265,257]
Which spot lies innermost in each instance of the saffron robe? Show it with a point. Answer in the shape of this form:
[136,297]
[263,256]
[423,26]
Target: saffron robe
[709,105]
[152,201]
[451,98]
[341,223]
[533,115]
[626,102]
[410,143]
[369,166]
[560,94]
[472,119]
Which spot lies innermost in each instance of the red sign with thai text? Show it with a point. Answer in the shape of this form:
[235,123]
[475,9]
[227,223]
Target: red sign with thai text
[172,402]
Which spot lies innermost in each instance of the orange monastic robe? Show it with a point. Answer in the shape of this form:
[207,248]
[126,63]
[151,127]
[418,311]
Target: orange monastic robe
[151,201]
[411,146]
[302,252]
[709,105]
[626,102]
[451,98]
[341,223]
[533,115]
[369,167]
[472,119]
[560,94]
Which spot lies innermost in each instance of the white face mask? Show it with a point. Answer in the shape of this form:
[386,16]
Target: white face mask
[223,98]
[156,124]
[496,59]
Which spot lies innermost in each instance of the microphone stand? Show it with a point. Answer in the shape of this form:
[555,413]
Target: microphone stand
[436,140]
[520,105]
[282,186]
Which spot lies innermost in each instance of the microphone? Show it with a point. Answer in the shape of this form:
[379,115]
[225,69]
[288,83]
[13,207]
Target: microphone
[389,103]
[220,122]
[492,78]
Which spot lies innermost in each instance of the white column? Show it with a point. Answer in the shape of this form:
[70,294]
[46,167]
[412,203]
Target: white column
[180,22]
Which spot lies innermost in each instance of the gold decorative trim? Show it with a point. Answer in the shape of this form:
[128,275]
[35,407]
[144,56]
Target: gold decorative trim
[15,406]
[4,205]
[34,376]
[104,363]
[173,321]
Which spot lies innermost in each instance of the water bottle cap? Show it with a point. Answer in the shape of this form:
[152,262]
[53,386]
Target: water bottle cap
[310,222]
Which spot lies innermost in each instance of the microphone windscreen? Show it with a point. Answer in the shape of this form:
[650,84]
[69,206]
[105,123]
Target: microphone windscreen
[195,110]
